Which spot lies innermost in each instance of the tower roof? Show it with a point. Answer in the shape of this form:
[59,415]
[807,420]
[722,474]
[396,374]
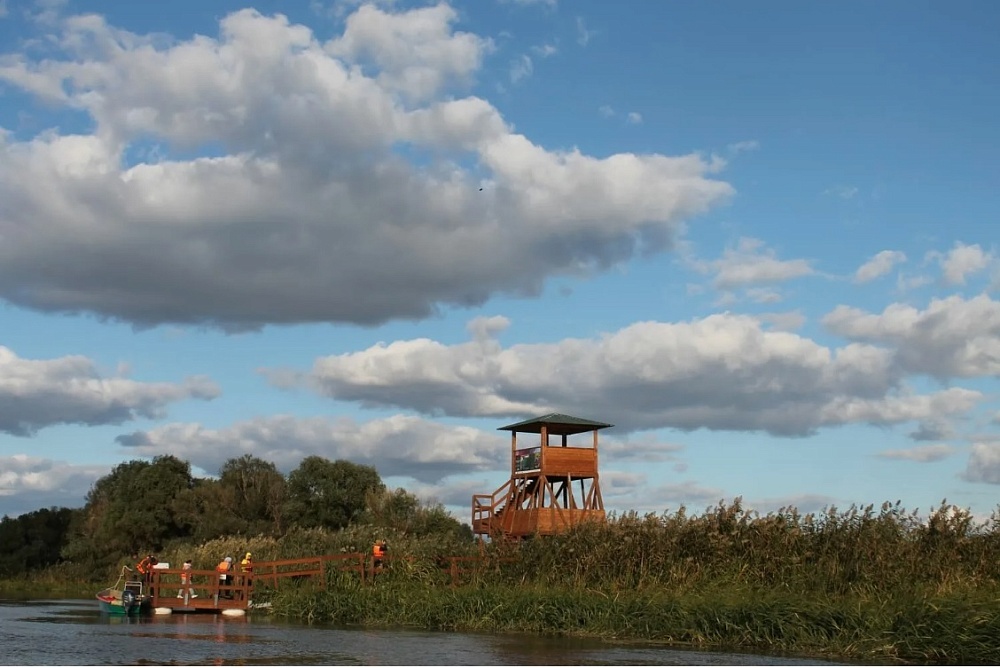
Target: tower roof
[557,423]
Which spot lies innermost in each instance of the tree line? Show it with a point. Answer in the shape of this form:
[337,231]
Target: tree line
[145,506]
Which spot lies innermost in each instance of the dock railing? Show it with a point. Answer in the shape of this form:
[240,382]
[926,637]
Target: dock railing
[205,590]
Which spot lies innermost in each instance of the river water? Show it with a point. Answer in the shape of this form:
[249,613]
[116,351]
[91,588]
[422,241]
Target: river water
[74,632]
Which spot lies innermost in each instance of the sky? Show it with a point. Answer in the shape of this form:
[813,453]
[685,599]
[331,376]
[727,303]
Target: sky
[761,244]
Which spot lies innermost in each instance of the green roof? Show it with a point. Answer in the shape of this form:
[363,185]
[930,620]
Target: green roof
[557,423]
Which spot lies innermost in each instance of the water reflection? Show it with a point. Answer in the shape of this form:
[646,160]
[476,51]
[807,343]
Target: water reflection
[87,637]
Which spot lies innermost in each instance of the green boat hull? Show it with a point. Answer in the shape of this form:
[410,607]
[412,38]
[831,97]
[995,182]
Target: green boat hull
[119,603]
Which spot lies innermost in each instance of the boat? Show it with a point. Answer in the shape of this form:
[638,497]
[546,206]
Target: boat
[128,599]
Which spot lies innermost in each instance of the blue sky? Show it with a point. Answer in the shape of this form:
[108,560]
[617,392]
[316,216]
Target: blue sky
[759,243]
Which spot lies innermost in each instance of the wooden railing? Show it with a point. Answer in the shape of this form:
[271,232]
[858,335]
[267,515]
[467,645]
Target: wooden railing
[273,571]
[205,590]
[485,508]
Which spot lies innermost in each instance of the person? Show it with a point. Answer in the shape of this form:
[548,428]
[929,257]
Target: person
[186,580]
[246,567]
[145,570]
[379,550]
[224,568]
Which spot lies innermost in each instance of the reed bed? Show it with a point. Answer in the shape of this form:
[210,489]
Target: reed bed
[860,583]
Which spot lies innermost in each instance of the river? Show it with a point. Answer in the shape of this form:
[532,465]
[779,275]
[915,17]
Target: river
[74,632]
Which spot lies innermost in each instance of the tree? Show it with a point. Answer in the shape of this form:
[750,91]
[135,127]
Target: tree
[33,541]
[131,510]
[328,494]
[257,495]
[403,511]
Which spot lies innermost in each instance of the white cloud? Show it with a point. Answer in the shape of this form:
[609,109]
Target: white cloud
[546,3]
[312,196]
[923,453]
[339,8]
[843,192]
[35,394]
[984,464]
[396,446]
[606,111]
[521,68]
[545,50]
[3,9]
[643,447]
[764,295]
[751,263]
[906,283]
[417,51]
[583,35]
[28,483]
[743,146]
[633,118]
[962,261]
[723,372]
[786,322]
[880,264]
[952,337]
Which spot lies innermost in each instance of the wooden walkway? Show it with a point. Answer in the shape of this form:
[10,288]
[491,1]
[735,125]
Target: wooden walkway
[207,593]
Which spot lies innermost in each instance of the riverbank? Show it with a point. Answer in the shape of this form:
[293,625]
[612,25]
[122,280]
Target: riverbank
[955,628]
[861,584]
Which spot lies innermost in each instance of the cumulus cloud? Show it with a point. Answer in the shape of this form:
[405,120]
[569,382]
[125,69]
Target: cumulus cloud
[633,118]
[879,265]
[984,464]
[787,322]
[28,483]
[932,430]
[952,337]
[341,167]
[962,261]
[923,453]
[396,446]
[641,447]
[724,372]
[752,263]
[70,390]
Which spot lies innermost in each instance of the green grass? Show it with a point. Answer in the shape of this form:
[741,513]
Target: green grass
[944,629]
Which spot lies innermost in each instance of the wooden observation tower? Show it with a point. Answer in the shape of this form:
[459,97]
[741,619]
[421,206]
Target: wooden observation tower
[552,486]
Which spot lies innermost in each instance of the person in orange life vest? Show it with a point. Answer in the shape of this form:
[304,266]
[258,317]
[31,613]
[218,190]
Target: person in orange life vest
[145,569]
[186,580]
[379,550]
[225,579]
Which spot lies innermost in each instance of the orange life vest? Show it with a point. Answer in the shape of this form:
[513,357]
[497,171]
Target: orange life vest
[144,566]
[223,567]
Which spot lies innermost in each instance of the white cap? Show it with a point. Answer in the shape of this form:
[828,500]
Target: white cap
[228,559]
